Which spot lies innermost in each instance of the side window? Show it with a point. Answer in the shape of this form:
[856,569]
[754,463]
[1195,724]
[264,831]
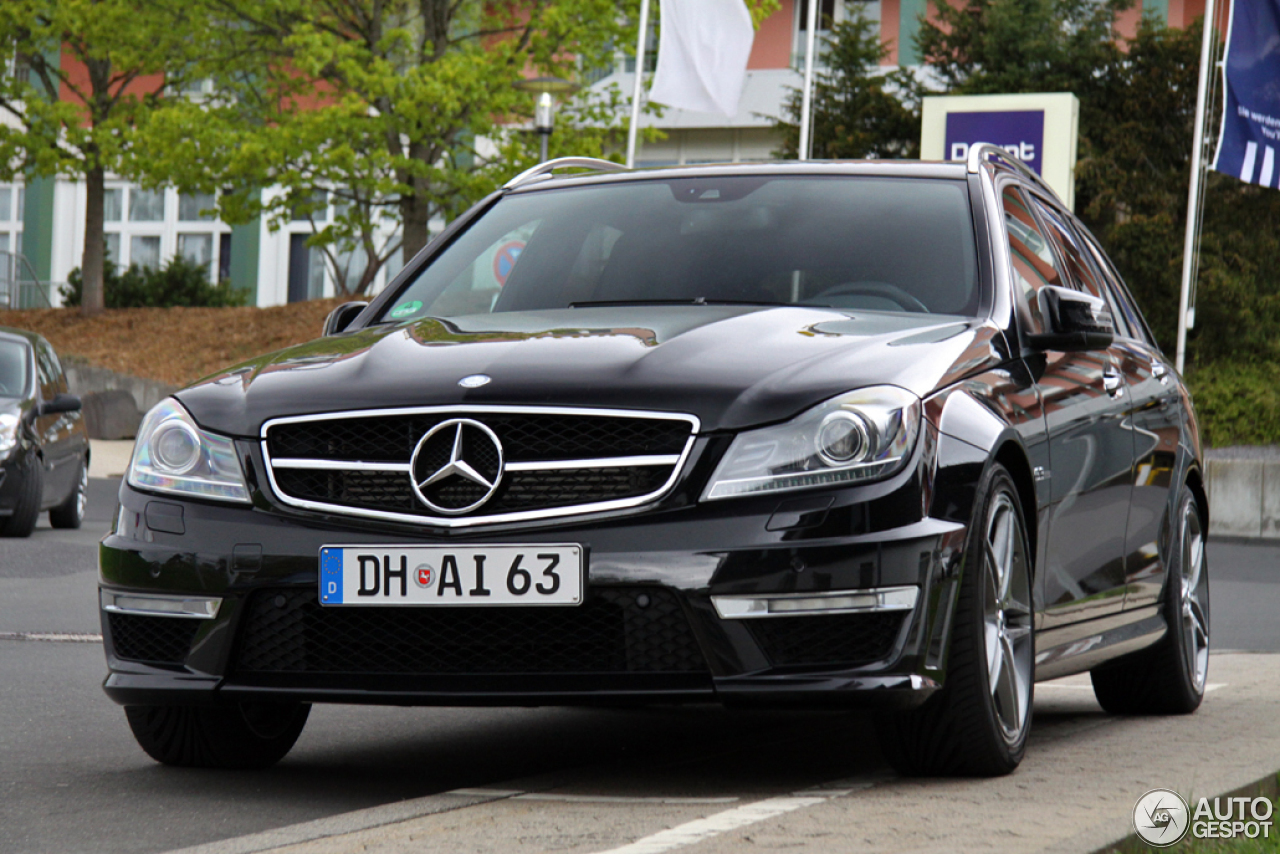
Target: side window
[46,371]
[1034,264]
[1120,294]
[1081,269]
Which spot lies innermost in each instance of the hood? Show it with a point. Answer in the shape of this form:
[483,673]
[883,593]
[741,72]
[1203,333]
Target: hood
[732,367]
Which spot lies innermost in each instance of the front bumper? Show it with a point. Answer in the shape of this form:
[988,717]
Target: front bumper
[654,575]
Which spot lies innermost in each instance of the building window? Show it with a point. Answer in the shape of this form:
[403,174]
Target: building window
[113,247]
[144,251]
[198,249]
[6,204]
[113,205]
[146,205]
[190,207]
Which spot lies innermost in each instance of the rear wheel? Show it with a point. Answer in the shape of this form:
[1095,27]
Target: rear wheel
[1169,678]
[977,724]
[27,509]
[247,735]
[70,513]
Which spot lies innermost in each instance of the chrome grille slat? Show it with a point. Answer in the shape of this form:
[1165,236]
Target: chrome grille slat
[358,463]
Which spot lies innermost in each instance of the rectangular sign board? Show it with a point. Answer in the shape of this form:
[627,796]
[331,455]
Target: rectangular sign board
[1040,129]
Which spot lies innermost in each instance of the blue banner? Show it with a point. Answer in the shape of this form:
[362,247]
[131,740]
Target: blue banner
[1250,136]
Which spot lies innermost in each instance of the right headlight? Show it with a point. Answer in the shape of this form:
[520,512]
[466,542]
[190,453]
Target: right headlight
[863,435]
[172,454]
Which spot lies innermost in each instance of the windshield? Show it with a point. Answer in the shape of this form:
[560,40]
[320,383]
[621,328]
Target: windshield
[13,368]
[881,244]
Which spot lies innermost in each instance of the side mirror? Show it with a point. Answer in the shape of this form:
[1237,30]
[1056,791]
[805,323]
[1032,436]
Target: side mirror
[340,318]
[61,403]
[1075,321]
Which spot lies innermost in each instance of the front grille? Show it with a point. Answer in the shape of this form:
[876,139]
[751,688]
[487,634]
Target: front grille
[615,631]
[553,462]
[525,437]
[159,640]
[830,639]
[519,490]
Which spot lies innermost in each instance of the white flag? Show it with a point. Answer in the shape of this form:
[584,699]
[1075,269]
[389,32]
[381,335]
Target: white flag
[703,46]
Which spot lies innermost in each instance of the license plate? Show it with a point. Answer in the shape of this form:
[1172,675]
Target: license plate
[451,575]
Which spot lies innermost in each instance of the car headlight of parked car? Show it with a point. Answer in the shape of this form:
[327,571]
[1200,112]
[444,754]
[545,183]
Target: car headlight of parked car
[863,435]
[8,432]
[172,454]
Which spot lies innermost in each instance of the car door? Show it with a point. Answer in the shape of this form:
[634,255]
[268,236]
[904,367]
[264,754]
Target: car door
[1157,417]
[55,431]
[1090,449]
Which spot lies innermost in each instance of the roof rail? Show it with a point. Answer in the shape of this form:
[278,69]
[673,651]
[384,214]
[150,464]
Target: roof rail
[544,170]
[980,152]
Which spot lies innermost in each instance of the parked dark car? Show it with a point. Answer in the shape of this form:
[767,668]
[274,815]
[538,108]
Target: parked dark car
[44,444]
[888,434]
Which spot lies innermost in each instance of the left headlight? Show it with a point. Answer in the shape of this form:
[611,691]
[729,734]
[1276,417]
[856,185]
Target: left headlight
[8,432]
[859,436]
[172,454]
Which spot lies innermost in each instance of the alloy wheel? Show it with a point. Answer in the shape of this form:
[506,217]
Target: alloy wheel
[1194,610]
[1007,627]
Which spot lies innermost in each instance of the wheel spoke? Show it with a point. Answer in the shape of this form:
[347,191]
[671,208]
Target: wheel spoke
[995,653]
[1007,694]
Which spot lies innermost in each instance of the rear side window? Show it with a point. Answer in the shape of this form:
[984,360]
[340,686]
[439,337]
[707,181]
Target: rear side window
[13,368]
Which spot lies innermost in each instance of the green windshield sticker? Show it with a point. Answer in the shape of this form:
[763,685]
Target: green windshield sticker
[407,308]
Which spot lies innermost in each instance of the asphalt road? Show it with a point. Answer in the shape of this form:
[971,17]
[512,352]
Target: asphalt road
[72,779]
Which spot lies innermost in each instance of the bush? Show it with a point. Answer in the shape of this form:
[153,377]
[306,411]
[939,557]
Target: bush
[178,283]
[1238,403]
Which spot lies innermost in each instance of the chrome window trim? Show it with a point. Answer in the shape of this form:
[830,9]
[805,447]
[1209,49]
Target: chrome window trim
[677,464]
[877,600]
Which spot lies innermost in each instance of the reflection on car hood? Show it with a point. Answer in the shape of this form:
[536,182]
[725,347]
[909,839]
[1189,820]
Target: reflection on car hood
[732,366]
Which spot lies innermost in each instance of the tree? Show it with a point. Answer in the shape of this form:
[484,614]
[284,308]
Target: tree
[858,111]
[78,118]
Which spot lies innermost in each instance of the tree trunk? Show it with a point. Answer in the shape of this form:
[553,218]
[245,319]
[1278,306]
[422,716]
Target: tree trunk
[91,265]
[414,214]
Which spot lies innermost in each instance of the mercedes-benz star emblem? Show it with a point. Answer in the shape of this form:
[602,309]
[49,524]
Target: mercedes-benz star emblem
[456,466]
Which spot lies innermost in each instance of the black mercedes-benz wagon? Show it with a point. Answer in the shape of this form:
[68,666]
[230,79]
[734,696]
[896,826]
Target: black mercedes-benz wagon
[888,434]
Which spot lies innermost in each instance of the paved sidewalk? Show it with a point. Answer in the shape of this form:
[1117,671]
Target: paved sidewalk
[1074,793]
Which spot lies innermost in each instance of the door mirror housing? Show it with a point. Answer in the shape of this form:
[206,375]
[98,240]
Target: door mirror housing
[340,318]
[1075,321]
[61,403]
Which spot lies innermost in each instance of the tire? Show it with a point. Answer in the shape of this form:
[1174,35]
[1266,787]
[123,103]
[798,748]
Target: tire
[27,509]
[1169,678]
[70,513]
[248,735]
[977,724]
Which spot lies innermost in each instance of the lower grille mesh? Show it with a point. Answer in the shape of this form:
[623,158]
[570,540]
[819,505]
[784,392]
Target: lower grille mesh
[831,639]
[617,630]
[163,640]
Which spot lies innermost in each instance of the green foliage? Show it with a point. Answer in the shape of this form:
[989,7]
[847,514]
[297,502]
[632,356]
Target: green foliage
[1238,403]
[178,283]
[401,107]
[858,111]
[1137,109]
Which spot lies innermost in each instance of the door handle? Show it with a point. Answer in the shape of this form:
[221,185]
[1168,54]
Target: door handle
[1111,382]
[1160,372]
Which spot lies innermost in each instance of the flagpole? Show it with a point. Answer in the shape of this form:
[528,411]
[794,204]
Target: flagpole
[637,88]
[806,103]
[1193,195]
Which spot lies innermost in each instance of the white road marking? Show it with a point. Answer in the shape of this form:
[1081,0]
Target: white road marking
[56,637]
[586,799]
[701,829]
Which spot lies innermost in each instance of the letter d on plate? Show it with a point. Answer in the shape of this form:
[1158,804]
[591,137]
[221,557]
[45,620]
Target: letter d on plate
[331,576]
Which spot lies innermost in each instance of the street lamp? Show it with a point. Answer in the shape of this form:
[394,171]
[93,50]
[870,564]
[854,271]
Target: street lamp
[544,114]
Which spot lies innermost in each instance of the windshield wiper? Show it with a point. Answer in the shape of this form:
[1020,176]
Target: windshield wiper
[694,301]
